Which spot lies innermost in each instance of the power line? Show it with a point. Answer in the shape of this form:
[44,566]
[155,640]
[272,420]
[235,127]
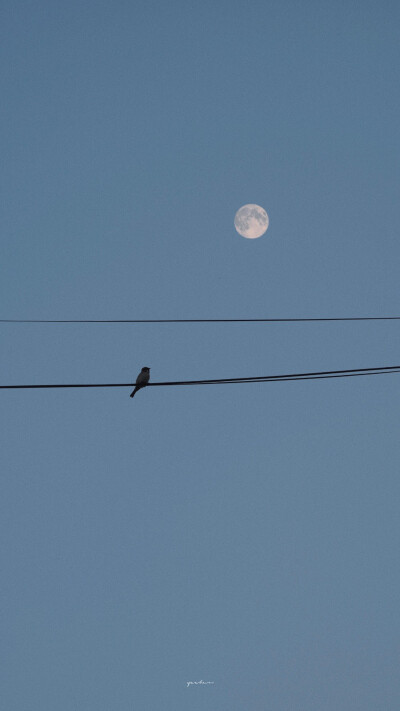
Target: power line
[319,375]
[205,320]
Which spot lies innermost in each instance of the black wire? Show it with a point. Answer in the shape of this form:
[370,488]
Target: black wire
[274,377]
[206,320]
[386,370]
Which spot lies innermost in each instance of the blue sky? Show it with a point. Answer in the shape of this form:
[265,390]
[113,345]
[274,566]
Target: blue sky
[246,535]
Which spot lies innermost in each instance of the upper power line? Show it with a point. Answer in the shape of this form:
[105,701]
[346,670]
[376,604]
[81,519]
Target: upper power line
[205,320]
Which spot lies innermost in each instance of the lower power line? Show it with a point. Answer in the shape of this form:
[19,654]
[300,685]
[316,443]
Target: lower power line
[318,375]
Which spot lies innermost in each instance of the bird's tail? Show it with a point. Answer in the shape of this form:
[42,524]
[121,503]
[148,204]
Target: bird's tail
[133,392]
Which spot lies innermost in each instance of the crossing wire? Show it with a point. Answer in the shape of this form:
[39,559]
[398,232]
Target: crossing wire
[315,375]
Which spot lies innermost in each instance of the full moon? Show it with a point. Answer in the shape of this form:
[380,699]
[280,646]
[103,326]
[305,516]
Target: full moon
[251,221]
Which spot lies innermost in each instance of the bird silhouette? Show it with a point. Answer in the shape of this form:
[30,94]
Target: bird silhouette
[141,380]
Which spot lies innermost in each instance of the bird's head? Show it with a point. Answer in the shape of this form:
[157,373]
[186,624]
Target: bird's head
[145,370]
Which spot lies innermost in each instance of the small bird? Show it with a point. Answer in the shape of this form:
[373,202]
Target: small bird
[141,380]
